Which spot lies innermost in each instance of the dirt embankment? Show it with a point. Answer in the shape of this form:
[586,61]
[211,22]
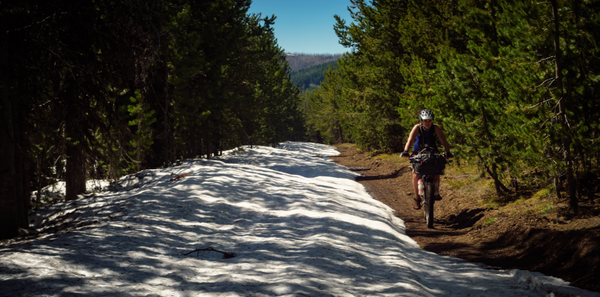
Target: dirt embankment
[560,245]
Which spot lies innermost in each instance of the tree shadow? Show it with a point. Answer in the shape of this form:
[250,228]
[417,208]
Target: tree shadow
[293,232]
[465,219]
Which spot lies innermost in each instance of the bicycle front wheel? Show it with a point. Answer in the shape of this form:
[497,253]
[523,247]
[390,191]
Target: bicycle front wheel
[428,205]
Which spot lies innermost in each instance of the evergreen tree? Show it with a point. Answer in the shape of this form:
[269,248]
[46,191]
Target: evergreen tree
[110,87]
[511,82]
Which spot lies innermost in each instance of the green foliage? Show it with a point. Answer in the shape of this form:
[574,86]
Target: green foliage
[137,84]
[488,69]
[542,194]
[489,221]
[311,78]
[492,202]
[142,138]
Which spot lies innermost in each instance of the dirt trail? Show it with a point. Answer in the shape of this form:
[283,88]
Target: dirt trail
[565,248]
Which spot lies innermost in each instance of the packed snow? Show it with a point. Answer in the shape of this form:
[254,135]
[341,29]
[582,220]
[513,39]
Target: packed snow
[260,221]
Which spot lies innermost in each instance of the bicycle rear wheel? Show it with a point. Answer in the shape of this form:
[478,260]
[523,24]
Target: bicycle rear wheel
[428,205]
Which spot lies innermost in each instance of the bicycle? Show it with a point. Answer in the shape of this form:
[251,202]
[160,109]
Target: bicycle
[429,164]
[428,200]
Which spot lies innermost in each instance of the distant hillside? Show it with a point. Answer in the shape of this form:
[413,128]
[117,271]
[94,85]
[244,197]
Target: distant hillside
[311,77]
[301,61]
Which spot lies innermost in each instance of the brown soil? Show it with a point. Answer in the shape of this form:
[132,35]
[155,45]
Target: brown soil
[560,245]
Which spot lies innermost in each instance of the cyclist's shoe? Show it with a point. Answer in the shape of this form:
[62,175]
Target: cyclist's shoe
[418,203]
[438,197]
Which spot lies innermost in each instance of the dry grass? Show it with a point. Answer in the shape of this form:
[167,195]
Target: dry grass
[468,180]
[394,158]
[489,221]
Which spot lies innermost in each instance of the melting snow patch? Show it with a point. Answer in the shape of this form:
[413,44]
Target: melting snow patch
[296,225]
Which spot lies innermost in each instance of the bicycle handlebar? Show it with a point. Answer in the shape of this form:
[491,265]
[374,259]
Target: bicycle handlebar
[442,154]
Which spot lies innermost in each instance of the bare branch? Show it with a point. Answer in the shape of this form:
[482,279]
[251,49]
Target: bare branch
[567,121]
[547,58]
[534,106]
[36,23]
[542,126]
[552,79]
[557,103]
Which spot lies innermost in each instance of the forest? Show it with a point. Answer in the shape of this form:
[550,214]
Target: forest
[514,85]
[105,88]
[311,77]
[99,89]
[299,61]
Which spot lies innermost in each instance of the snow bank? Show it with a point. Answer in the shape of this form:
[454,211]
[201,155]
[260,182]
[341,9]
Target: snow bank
[58,190]
[296,223]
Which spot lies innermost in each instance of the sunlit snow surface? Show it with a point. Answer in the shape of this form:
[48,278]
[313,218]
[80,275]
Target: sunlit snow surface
[299,225]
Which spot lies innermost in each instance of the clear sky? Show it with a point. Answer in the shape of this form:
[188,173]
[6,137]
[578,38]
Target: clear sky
[305,26]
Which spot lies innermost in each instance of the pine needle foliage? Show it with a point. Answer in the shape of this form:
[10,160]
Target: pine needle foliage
[514,85]
[112,87]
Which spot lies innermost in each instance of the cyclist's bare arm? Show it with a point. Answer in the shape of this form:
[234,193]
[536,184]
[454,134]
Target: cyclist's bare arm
[412,137]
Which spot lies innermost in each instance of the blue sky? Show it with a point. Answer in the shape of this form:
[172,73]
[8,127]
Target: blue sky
[305,26]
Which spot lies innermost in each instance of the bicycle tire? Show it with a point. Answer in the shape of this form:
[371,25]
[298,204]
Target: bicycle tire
[429,202]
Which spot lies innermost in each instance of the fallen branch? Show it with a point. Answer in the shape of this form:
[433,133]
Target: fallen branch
[178,176]
[225,254]
[584,277]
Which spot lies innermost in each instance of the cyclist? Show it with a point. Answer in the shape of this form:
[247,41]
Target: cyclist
[429,130]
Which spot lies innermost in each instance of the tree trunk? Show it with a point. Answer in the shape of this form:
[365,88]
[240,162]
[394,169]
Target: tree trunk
[339,131]
[566,142]
[493,172]
[166,126]
[557,187]
[75,175]
[22,163]
[515,184]
[9,220]
[38,196]
[498,185]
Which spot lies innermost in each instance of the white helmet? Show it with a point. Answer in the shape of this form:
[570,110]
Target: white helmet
[426,114]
